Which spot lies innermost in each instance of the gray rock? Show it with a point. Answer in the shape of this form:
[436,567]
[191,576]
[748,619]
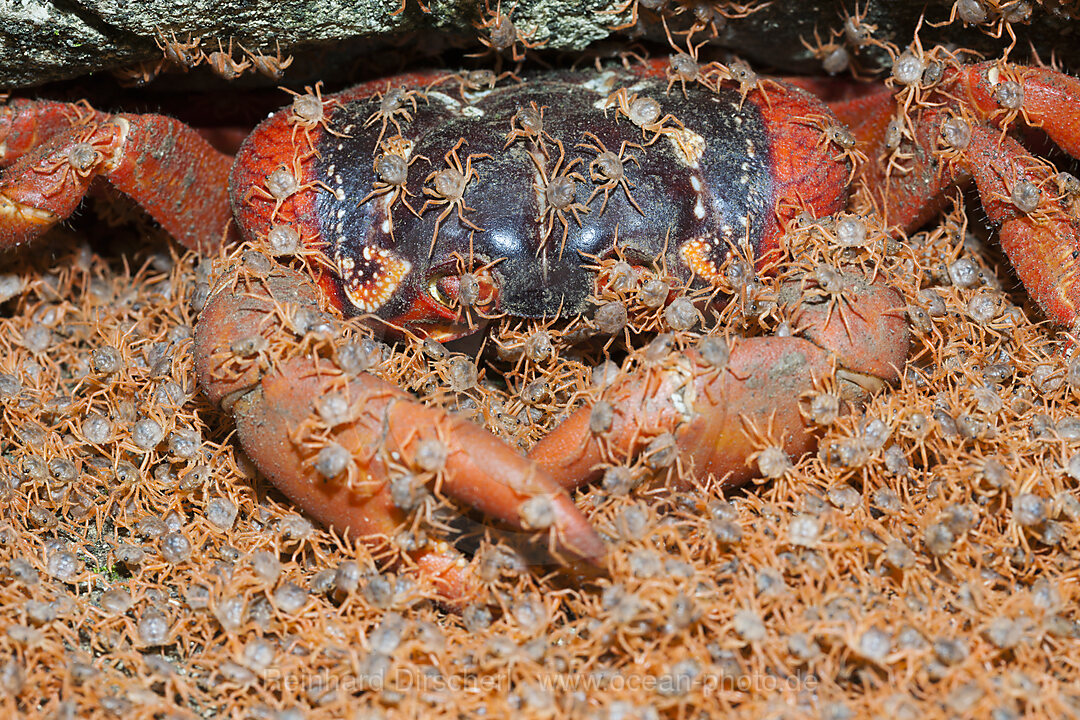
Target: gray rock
[46,40]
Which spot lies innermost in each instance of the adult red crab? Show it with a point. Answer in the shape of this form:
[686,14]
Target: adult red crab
[432,198]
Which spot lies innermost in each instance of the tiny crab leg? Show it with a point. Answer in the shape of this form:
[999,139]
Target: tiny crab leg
[165,166]
[710,399]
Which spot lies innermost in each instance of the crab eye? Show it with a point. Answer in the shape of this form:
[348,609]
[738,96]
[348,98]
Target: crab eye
[435,290]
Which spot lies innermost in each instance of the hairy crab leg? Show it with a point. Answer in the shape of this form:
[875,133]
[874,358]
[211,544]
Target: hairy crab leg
[387,427]
[710,407]
[165,166]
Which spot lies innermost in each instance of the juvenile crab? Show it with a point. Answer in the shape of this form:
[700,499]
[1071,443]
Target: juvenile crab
[725,177]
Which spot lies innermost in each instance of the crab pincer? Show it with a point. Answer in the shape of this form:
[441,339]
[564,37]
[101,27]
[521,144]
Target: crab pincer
[711,399]
[383,430]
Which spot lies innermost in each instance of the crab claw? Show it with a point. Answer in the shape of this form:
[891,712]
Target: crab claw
[384,427]
[711,399]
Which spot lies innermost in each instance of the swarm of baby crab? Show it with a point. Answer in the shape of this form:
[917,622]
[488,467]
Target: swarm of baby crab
[919,565]
[916,565]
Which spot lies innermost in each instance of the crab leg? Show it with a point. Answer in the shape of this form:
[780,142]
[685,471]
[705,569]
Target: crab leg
[162,164]
[1043,242]
[1049,99]
[26,124]
[387,428]
[1040,230]
[1042,247]
[712,409]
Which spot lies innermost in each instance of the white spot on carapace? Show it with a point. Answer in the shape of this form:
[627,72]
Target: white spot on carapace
[601,85]
[750,152]
[695,183]
[538,185]
[688,145]
[385,205]
[447,100]
[696,254]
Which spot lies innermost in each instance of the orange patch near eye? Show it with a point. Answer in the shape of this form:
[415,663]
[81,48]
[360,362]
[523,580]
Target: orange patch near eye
[372,278]
[698,254]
